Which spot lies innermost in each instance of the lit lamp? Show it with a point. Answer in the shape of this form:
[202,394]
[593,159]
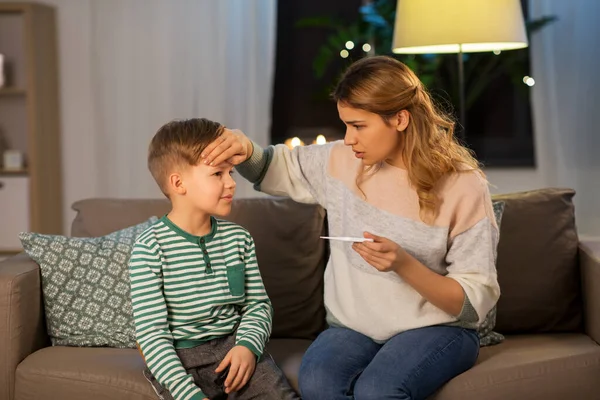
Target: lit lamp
[458,26]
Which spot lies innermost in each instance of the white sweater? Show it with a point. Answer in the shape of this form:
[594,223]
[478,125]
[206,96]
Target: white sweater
[460,243]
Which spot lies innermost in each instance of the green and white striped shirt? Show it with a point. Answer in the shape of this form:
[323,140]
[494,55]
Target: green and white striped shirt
[187,290]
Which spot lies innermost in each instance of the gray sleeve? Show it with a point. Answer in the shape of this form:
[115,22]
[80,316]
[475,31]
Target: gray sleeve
[299,173]
[472,262]
[255,168]
[468,312]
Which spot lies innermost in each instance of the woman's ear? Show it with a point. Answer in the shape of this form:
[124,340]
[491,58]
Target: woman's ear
[176,183]
[402,119]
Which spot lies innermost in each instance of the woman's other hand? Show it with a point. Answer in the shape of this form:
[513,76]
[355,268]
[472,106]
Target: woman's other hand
[382,253]
[385,255]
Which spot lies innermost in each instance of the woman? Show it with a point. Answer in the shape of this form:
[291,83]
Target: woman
[402,310]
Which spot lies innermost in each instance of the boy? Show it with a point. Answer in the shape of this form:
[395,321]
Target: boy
[202,315]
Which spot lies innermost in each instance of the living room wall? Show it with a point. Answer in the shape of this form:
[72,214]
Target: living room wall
[563,69]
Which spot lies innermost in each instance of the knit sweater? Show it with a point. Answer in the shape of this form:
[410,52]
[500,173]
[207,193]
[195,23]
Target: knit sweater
[188,289]
[460,243]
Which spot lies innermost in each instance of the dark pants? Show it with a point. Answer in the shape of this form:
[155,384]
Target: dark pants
[267,382]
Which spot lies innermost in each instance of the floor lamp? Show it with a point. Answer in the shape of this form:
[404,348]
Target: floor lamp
[458,26]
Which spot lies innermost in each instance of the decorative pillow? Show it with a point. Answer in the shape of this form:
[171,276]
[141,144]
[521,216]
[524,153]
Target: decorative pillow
[487,336]
[85,286]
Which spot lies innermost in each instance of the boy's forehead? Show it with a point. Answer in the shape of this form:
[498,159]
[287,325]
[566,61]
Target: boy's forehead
[223,165]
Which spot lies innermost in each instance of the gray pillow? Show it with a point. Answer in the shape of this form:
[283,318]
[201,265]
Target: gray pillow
[487,336]
[85,286]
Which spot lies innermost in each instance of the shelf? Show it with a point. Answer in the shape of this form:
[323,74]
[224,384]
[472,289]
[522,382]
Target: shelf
[31,196]
[13,172]
[8,91]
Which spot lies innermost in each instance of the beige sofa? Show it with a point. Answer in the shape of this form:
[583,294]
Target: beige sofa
[549,309]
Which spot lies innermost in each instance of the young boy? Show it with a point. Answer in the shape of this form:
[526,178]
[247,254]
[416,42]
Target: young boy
[202,315]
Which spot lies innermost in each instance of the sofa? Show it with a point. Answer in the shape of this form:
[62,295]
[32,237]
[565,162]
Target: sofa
[549,310]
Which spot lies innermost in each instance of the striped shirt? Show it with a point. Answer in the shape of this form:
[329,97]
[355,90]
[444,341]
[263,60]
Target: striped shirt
[188,289]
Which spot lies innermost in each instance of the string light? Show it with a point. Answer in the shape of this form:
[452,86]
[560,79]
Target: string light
[344,53]
[529,81]
[349,44]
[366,47]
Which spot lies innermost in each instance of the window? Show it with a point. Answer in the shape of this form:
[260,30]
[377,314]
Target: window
[498,116]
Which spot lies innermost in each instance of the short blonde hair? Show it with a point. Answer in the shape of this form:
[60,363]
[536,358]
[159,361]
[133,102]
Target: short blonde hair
[179,143]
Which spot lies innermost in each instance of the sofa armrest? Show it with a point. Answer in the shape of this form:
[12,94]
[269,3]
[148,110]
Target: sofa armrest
[589,259]
[22,325]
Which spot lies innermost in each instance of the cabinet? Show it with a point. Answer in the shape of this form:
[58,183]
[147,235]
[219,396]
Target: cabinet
[31,195]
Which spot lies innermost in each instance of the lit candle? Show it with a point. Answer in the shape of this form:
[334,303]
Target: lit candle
[320,140]
[294,142]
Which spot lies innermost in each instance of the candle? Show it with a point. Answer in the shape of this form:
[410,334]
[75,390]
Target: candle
[294,142]
[320,140]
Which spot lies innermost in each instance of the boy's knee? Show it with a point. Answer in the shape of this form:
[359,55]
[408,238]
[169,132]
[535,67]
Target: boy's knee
[270,382]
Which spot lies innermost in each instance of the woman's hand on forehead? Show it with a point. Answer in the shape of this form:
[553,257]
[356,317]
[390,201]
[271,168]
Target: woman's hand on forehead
[232,146]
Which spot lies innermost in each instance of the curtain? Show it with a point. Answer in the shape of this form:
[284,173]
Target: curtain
[565,57]
[158,60]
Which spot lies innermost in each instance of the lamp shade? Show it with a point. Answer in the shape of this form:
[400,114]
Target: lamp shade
[447,26]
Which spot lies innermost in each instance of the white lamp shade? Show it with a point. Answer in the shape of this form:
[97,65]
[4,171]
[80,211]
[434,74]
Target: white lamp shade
[444,26]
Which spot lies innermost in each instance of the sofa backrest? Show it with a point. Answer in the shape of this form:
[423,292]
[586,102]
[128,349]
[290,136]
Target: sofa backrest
[537,262]
[99,217]
[538,269]
[290,254]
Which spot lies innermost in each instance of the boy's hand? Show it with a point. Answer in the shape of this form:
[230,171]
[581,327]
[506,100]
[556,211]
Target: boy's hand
[241,362]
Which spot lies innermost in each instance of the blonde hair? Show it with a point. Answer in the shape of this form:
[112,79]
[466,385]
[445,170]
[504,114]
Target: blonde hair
[179,143]
[385,86]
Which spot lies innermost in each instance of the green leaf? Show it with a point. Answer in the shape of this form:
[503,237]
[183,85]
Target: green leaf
[319,22]
[439,73]
[322,61]
[338,41]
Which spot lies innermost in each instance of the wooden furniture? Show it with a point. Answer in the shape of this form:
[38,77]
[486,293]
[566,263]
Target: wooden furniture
[30,197]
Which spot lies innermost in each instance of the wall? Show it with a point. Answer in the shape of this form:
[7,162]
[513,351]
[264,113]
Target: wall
[506,180]
[78,135]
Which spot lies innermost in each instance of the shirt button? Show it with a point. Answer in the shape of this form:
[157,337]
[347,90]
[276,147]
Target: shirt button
[201,240]
[208,265]
[205,251]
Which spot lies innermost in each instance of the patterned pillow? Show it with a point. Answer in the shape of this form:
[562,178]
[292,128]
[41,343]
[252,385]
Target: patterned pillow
[85,286]
[487,336]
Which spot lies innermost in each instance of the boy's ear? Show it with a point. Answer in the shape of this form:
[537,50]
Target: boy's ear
[176,183]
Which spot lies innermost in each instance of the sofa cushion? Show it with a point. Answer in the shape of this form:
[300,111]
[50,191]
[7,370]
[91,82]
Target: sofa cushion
[537,263]
[85,286]
[554,366]
[70,373]
[550,366]
[291,257]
